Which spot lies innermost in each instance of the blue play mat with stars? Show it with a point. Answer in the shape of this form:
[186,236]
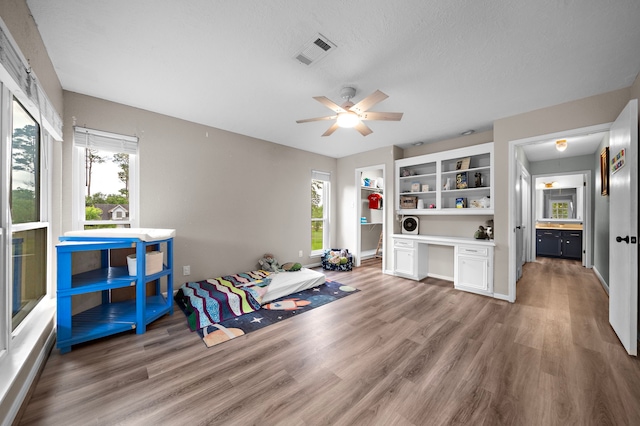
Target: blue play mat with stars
[275,311]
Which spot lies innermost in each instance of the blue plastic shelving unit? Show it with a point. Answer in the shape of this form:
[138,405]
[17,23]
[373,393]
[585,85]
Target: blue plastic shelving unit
[109,317]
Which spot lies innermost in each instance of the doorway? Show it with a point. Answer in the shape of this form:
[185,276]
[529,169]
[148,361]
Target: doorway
[370,213]
[540,157]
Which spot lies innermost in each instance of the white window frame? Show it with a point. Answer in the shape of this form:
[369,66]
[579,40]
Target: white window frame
[105,141]
[18,81]
[326,210]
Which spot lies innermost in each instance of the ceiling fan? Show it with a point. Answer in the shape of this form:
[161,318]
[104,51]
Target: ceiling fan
[353,115]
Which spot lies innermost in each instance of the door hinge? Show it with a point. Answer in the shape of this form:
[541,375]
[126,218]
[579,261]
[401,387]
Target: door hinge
[633,240]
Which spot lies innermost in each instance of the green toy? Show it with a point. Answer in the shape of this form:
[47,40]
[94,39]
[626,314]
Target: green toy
[291,267]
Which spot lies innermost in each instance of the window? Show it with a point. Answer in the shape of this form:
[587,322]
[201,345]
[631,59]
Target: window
[560,210]
[28,262]
[106,188]
[320,183]
[29,124]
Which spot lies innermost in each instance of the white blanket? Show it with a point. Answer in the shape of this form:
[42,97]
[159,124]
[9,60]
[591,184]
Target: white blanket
[285,283]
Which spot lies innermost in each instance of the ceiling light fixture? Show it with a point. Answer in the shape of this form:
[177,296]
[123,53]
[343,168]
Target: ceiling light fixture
[347,119]
[419,143]
[468,132]
[561,145]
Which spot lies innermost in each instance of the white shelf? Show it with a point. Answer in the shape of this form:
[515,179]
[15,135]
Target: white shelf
[371,188]
[434,170]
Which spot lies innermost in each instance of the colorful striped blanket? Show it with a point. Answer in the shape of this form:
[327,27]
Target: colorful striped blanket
[219,299]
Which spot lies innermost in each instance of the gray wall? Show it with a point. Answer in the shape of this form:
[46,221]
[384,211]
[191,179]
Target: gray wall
[600,221]
[571,164]
[231,198]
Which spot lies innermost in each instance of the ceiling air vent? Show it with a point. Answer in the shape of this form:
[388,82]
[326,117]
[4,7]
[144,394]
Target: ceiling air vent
[315,49]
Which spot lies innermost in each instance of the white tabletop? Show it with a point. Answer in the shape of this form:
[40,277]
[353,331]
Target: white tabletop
[143,234]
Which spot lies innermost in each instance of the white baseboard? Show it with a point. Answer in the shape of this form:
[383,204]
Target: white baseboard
[602,281]
[504,297]
[440,277]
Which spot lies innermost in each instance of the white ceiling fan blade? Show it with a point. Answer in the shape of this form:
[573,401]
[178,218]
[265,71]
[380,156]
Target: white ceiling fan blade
[331,129]
[307,120]
[385,116]
[363,129]
[368,102]
[329,103]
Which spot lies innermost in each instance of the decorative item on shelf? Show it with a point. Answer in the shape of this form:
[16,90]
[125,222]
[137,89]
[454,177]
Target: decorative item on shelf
[480,234]
[415,187]
[425,187]
[461,180]
[366,182]
[478,180]
[479,203]
[405,173]
[363,220]
[463,163]
[489,229]
[432,206]
[407,202]
[461,203]
[447,186]
[420,204]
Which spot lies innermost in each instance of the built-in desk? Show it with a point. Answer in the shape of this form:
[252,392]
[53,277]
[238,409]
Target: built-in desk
[473,260]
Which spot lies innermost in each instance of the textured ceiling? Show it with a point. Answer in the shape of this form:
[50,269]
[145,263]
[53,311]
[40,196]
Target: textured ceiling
[448,65]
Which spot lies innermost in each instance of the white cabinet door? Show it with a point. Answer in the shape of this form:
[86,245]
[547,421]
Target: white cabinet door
[472,273]
[474,269]
[404,262]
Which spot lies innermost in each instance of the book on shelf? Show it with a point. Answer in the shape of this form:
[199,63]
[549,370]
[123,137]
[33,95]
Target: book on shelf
[463,163]
[461,180]
[461,203]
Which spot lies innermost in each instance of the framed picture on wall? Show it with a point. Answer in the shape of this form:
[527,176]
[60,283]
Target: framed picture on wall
[604,171]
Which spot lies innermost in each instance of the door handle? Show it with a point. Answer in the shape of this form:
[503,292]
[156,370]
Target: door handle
[518,227]
[620,239]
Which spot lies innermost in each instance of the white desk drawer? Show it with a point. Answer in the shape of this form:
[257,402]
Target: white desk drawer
[473,251]
[403,243]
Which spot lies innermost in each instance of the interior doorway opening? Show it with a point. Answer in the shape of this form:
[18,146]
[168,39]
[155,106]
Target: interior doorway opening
[540,158]
[370,213]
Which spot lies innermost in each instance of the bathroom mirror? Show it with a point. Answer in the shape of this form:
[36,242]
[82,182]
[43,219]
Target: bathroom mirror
[559,203]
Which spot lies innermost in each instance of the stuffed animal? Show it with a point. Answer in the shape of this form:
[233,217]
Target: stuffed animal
[480,234]
[489,229]
[269,263]
[334,257]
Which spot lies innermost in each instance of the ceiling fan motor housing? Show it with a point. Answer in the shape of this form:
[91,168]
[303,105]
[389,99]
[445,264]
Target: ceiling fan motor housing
[347,93]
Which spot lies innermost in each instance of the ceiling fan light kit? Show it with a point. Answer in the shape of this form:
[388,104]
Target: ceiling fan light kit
[350,115]
[347,119]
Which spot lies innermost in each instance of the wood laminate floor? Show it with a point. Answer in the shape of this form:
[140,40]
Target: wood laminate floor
[396,353]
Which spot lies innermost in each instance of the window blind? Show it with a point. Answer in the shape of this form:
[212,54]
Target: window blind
[318,175]
[104,141]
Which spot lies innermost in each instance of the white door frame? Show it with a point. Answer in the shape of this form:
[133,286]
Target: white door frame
[513,144]
[587,206]
[386,199]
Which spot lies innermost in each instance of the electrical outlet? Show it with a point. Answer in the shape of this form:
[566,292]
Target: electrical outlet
[186,270]
[300,253]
